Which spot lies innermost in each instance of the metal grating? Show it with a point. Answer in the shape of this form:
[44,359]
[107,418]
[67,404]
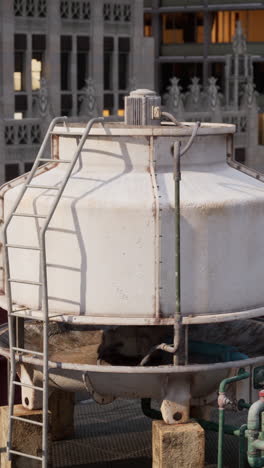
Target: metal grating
[118,435]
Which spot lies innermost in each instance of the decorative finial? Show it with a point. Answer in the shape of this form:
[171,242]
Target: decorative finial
[239,41]
[88,99]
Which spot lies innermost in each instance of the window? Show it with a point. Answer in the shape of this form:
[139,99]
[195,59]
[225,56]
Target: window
[116,73]
[74,72]
[37,61]
[28,166]
[66,48]
[108,104]
[108,62]
[147,25]
[83,43]
[123,62]
[121,105]
[182,28]
[224,25]
[11,171]
[21,105]
[66,104]
[19,73]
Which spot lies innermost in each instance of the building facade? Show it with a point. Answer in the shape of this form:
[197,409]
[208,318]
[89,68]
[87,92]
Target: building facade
[65,57]
[192,37]
[210,51]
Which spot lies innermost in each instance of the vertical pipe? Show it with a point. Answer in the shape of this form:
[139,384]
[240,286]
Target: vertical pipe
[222,402]
[220,437]
[242,451]
[177,321]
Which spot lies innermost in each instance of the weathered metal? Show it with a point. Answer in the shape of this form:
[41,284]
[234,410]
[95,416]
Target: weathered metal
[157,315]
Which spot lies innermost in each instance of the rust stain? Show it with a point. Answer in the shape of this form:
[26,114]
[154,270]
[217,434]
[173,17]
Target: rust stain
[55,146]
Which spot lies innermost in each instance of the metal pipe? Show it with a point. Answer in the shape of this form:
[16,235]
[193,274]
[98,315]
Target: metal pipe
[242,375]
[255,460]
[258,444]
[241,404]
[242,449]
[177,316]
[167,370]
[222,402]
[177,154]
[172,118]
[213,426]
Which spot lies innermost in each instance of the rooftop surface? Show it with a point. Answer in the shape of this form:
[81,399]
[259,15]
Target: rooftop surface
[119,435]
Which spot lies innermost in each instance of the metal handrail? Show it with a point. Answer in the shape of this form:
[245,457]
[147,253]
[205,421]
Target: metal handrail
[43,283]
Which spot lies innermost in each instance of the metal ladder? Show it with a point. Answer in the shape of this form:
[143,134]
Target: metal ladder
[17,349]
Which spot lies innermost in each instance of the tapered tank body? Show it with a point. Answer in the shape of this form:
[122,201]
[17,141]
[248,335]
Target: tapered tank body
[111,242]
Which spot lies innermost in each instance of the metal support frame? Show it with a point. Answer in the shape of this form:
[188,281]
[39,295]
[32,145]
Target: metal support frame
[19,353]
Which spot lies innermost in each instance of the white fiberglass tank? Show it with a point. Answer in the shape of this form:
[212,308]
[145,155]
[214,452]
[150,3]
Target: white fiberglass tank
[111,242]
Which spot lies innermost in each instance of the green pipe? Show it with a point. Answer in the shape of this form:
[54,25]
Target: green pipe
[255,462]
[213,426]
[240,376]
[258,444]
[221,421]
[254,444]
[241,404]
[242,446]
[221,411]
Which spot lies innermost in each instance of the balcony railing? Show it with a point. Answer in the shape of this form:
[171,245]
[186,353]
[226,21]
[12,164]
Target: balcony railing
[22,132]
[196,50]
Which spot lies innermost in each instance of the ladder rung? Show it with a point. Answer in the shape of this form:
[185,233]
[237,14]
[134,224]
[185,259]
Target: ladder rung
[26,247]
[28,351]
[29,215]
[13,280]
[29,421]
[46,187]
[55,160]
[19,310]
[18,313]
[21,454]
[28,386]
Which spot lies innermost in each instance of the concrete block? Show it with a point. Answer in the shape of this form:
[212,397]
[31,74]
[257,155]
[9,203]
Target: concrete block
[26,437]
[61,406]
[177,445]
